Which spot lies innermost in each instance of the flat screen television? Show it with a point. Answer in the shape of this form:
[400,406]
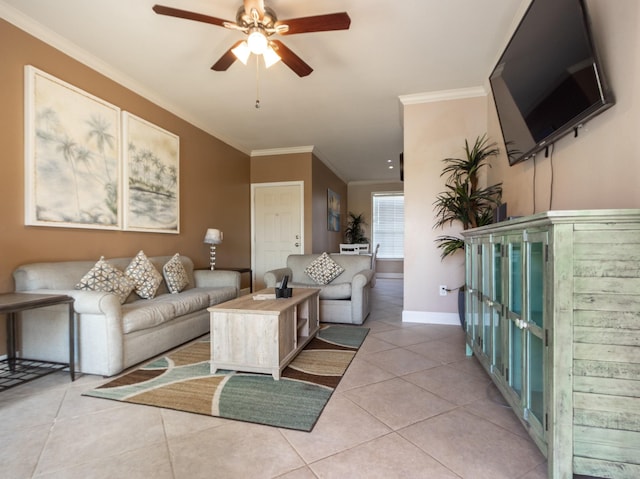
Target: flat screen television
[548,80]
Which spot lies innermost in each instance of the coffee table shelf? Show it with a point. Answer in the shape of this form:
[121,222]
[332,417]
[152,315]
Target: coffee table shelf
[262,336]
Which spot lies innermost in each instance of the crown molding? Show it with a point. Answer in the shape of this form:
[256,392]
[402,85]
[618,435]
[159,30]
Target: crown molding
[442,95]
[377,182]
[39,31]
[283,151]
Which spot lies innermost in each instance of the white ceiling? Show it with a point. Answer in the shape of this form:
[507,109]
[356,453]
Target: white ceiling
[348,109]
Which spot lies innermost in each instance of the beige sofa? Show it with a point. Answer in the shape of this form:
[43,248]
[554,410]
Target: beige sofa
[346,299]
[112,336]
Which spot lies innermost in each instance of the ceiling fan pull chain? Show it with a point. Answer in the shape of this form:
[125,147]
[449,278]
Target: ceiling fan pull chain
[257,82]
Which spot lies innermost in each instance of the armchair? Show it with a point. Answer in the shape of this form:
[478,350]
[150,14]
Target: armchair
[345,299]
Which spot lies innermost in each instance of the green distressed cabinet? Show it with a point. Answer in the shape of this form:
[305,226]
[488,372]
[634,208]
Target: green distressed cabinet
[553,315]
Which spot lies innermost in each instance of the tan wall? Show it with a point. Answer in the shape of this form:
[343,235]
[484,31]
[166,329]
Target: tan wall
[214,177]
[600,168]
[324,179]
[317,178]
[432,132]
[288,167]
[360,194]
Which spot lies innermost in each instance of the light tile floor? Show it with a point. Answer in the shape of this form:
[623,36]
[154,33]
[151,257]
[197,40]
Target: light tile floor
[411,405]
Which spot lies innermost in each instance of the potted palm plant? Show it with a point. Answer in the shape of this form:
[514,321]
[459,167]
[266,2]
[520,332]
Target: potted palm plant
[463,201]
[354,233]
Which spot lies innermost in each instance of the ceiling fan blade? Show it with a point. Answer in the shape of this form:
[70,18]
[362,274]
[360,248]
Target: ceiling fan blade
[317,23]
[290,59]
[226,60]
[198,17]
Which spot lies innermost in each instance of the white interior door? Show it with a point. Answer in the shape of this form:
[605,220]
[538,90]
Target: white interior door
[278,217]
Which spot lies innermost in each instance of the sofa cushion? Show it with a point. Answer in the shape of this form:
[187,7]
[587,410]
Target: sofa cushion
[106,278]
[143,314]
[175,275]
[323,269]
[336,291]
[187,301]
[328,291]
[145,276]
[220,294]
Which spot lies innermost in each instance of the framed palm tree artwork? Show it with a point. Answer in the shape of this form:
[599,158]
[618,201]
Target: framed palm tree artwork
[72,156]
[151,172]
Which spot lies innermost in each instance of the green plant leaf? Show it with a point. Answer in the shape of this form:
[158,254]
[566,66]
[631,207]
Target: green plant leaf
[463,201]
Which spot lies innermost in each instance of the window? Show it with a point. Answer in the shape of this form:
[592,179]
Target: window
[388,224]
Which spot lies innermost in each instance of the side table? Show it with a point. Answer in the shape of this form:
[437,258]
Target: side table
[14,371]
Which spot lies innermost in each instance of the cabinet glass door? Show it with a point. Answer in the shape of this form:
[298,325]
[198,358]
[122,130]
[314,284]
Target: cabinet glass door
[534,321]
[473,265]
[485,297]
[515,338]
[497,308]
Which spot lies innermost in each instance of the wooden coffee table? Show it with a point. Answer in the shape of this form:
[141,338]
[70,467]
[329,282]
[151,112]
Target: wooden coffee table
[262,336]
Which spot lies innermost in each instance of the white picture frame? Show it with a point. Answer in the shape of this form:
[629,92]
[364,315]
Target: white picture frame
[72,156]
[151,188]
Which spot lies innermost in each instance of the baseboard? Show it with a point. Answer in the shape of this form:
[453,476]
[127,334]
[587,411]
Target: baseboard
[426,317]
[390,275]
[245,291]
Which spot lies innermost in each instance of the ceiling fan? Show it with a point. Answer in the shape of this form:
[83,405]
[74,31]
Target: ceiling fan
[259,23]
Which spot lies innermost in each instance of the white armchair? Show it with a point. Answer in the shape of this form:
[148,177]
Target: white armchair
[343,300]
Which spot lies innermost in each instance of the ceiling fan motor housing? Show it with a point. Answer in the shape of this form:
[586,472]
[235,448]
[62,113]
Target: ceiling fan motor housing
[267,21]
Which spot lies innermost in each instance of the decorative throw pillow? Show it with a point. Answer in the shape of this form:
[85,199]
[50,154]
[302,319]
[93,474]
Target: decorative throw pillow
[144,275]
[175,275]
[106,278]
[323,269]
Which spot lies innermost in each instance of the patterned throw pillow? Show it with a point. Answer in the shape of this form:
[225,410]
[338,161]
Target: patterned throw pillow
[175,275]
[106,278]
[144,275]
[323,269]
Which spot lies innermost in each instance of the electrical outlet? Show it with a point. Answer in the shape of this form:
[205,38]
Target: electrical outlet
[443,290]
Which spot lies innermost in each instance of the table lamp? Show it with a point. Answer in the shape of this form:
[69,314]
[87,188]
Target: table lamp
[213,237]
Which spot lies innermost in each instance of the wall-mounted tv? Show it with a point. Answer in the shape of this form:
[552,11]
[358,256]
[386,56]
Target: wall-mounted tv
[548,80]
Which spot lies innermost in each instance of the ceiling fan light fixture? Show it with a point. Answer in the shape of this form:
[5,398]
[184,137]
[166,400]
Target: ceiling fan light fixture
[257,41]
[242,52]
[270,57]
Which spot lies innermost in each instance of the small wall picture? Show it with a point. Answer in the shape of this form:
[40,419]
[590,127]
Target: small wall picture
[152,165]
[333,210]
[72,155]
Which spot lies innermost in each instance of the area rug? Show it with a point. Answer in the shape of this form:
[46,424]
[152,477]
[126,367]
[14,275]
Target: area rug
[182,380]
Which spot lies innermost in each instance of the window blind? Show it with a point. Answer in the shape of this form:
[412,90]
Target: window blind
[388,224]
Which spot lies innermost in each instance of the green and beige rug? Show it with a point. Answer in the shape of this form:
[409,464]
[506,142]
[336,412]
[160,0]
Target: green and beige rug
[182,380]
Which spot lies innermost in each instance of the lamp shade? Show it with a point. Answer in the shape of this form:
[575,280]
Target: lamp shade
[270,57]
[242,52]
[213,236]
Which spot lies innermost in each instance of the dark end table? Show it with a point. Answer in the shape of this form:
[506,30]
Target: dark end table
[15,371]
